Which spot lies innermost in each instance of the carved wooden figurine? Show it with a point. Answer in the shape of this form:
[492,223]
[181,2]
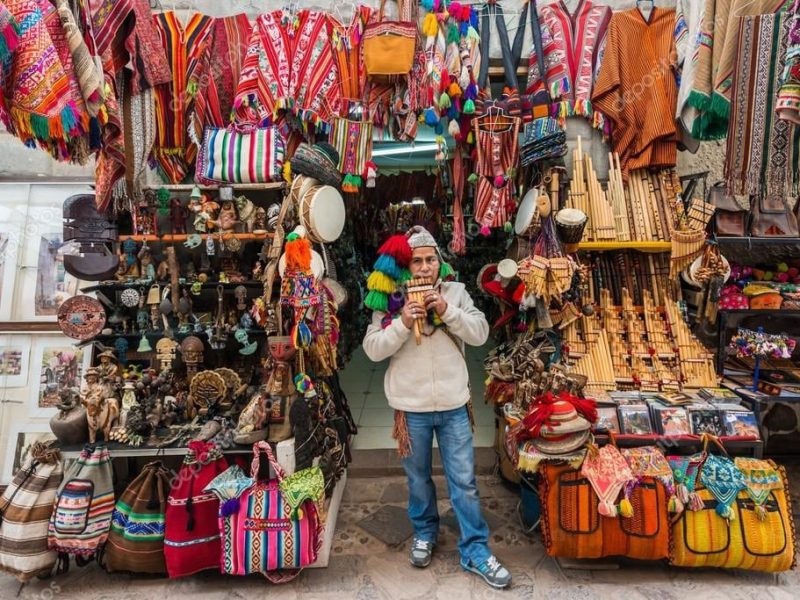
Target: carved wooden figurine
[102,412]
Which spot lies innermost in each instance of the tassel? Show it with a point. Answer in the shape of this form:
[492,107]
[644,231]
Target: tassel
[455,9]
[626,508]
[761,512]
[431,118]
[395,303]
[190,520]
[454,90]
[380,282]
[446,272]
[675,505]
[695,502]
[453,34]
[472,34]
[427,5]
[607,509]
[485,231]
[388,265]
[287,171]
[229,507]
[725,511]
[304,337]
[469,106]
[508,227]
[473,178]
[453,128]
[470,137]
[444,101]
[499,181]
[430,26]
[397,247]
[682,492]
[95,134]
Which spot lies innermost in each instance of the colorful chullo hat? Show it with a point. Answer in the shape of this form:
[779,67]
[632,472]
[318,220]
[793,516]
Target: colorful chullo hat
[390,270]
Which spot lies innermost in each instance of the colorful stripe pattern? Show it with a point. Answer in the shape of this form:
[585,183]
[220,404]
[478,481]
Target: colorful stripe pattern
[353,142]
[636,89]
[788,106]
[763,153]
[231,156]
[173,152]
[346,46]
[25,507]
[289,66]
[573,45]
[82,512]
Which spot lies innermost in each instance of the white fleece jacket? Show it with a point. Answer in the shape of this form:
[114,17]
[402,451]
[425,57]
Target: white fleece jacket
[432,376]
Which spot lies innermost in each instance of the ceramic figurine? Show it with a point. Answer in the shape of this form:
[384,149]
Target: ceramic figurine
[102,412]
[70,425]
[128,400]
[148,269]
[227,219]
[247,213]
[108,367]
[177,216]
[252,423]
[260,221]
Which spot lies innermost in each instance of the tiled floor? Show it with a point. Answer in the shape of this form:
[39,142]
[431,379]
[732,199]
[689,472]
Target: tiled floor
[362,381]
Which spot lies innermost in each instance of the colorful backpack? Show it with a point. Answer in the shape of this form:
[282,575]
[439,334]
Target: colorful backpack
[268,527]
[191,540]
[136,540]
[85,501]
[25,510]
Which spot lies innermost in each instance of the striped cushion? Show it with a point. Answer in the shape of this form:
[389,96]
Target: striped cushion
[230,156]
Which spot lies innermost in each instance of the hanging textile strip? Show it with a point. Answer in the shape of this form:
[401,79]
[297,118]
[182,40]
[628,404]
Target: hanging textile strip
[172,151]
[724,480]
[493,204]
[212,85]
[688,40]
[763,157]
[510,54]
[111,159]
[643,129]
[761,478]
[142,52]
[573,45]
[42,108]
[346,45]
[89,76]
[9,34]
[788,106]
[353,142]
[607,473]
[290,66]
[458,244]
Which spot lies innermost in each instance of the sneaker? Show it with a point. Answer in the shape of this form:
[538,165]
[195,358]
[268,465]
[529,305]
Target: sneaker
[421,552]
[492,572]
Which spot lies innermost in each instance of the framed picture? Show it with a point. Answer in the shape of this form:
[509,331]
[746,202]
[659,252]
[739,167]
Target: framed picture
[15,353]
[741,424]
[635,419]
[706,420]
[20,439]
[607,419]
[57,363]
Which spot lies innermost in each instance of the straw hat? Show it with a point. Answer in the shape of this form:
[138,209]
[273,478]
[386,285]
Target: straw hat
[319,161]
[563,431]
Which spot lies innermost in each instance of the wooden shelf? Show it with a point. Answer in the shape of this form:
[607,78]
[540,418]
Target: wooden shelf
[614,245]
[188,187]
[182,237]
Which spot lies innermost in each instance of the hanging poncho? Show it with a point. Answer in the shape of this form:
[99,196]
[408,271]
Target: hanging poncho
[346,46]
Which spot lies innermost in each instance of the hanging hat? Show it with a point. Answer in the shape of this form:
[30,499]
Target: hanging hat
[559,424]
[319,161]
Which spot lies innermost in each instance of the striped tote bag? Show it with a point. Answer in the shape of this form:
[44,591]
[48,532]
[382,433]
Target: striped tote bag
[82,511]
[240,155]
[25,510]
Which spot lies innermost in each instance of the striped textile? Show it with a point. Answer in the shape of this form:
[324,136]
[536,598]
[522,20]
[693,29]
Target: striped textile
[136,540]
[89,76]
[636,89]
[573,45]
[788,105]
[493,205]
[212,85]
[85,501]
[289,66]
[241,157]
[111,162]
[346,46]
[353,142]
[689,22]
[763,153]
[173,152]
[25,509]
[497,147]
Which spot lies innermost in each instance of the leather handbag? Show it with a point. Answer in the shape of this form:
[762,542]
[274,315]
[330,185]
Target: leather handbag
[730,219]
[268,526]
[389,45]
[241,154]
[770,217]
[751,528]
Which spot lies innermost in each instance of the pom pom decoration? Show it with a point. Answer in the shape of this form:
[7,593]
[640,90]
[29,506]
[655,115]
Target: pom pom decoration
[499,181]
[387,265]
[380,282]
[377,301]
[427,5]
[397,247]
[453,34]
[469,107]
[430,26]
[444,101]
[485,231]
[446,272]
[431,118]
[455,10]
[229,507]
[473,178]
[607,509]
[453,128]
[626,508]
[298,254]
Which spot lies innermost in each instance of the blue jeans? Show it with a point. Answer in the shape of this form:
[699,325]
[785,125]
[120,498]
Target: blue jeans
[454,434]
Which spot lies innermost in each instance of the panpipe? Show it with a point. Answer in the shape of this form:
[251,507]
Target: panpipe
[415,291]
[634,271]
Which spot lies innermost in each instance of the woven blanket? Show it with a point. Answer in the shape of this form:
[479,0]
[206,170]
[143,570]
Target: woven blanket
[763,157]
[89,77]
[607,472]
[111,158]
[41,106]
[25,507]
[788,105]
[9,34]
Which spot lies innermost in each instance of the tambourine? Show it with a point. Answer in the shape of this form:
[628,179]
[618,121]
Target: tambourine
[81,317]
[322,213]
[526,212]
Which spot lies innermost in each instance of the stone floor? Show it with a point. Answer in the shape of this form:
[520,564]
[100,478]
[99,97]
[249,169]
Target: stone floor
[364,568]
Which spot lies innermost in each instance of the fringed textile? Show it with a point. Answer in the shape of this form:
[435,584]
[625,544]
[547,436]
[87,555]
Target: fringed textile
[400,434]
[87,71]
[763,152]
[788,105]
[353,142]
[530,458]
[346,45]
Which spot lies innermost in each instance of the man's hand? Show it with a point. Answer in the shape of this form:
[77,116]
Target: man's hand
[411,311]
[434,301]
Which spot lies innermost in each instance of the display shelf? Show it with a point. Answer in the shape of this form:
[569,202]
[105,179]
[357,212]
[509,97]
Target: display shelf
[188,187]
[634,245]
[773,319]
[209,285]
[151,335]
[182,237]
[757,241]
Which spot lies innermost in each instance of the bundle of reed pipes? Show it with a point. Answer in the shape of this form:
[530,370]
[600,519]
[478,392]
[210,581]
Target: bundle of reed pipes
[616,194]
[587,195]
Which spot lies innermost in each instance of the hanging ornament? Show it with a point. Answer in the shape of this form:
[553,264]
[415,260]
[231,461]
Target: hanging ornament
[210,248]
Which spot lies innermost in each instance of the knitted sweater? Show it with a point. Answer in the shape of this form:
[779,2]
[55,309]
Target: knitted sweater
[432,376]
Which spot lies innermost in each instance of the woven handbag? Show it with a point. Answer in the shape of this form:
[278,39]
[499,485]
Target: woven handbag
[136,541]
[389,45]
[241,154]
[740,517]
[269,527]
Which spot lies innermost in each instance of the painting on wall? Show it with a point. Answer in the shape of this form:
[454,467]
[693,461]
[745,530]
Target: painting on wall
[51,278]
[14,355]
[21,439]
[57,364]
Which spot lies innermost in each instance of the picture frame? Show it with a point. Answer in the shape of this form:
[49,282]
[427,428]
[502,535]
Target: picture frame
[671,420]
[52,368]
[15,353]
[706,420]
[20,437]
[741,423]
[635,419]
[607,419]
[12,221]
